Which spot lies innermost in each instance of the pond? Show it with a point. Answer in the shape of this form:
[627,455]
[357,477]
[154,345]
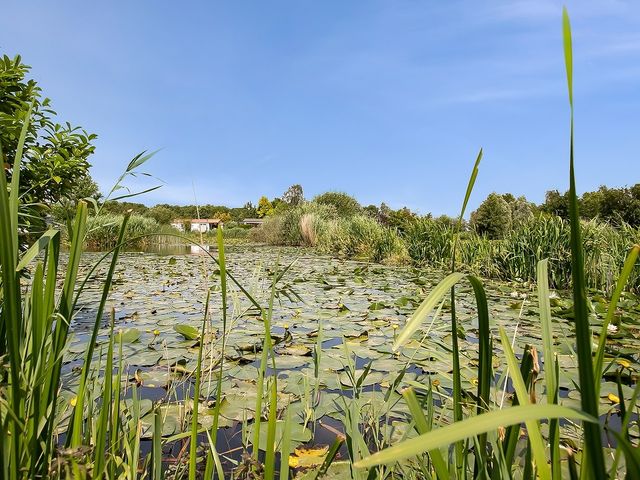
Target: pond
[330,316]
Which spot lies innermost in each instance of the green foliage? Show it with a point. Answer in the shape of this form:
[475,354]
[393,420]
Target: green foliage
[103,230]
[397,219]
[345,205]
[304,224]
[55,154]
[236,233]
[617,206]
[493,217]
[556,203]
[161,214]
[521,211]
[294,195]
[64,210]
[35,319]
[515,257]
[265,207]
[429,242]
[363,238]
[120,208]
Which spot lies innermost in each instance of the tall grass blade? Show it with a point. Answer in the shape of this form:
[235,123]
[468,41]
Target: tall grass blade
[425,308]
[105,410]
[77,422]
[550,366]
[422,426]
[485,360]
[470,427]
[533,427]
[457,380]
[156,455]
[193,447]
[594,466]
[627,268]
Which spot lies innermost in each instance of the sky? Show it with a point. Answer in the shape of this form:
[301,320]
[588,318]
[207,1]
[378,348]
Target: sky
[389,101]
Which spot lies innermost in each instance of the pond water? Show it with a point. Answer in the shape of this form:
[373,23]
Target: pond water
[355,308]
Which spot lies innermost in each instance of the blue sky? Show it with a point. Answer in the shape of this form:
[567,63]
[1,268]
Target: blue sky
[388,101]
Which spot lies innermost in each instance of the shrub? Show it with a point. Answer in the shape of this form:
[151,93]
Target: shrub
[429,242]
[297,226]
[345,205]
[493,217]
[103,230]
[363,238]
[235,232]
[270,232]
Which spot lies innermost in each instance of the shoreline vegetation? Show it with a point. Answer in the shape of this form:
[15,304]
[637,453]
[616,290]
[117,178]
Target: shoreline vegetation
[412,399]
[422,241]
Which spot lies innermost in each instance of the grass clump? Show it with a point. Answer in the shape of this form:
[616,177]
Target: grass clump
[103,229]
[362,238]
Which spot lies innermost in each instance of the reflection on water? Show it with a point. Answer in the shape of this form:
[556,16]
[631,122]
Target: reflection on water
[166,249]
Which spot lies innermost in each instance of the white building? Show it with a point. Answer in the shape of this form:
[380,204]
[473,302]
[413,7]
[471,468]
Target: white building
[178,224]
[204,224]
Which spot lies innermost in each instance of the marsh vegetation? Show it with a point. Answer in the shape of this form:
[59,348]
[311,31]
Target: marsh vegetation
[269,362]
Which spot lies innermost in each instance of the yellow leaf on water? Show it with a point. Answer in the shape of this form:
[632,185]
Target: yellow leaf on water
[623,362]
[308,457]
[613,398]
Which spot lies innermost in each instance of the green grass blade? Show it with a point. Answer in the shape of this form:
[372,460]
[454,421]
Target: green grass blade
[551,380]
[156,454]
[425,308]
[285,449]
[223,291]
[270,454]
[330,457]
[77,421]
[470,427]
[422,426]
[36,248]
[103,422]
[627,268]
[193,447]
[568,52]
[592,432]
[485,371]
[14,196]
[533,428]
[470,185]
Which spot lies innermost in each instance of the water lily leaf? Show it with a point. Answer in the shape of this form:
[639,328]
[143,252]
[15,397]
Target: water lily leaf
[187,331]
[298,434]
[128,335]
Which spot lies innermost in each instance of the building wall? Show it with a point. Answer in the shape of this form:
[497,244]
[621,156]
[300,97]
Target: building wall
[200,227]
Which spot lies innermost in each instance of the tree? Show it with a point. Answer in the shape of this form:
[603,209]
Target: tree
[294,195]
[618,205]
[85,189]
[161,214]
[372,210]
[591,204]
[493,217]
[265,208]
[556,203]
[221,215]
[398,219]
[346,205]
[55,155]
[521,210]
